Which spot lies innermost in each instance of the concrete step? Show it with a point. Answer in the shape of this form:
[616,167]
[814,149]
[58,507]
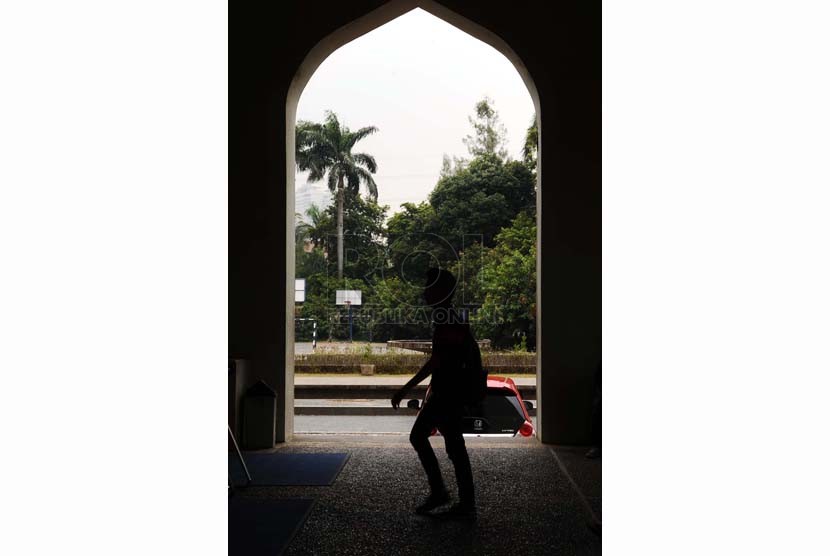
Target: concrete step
[373,391]
[353,410]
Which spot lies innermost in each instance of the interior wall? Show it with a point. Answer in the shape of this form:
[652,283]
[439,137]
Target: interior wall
[560,47]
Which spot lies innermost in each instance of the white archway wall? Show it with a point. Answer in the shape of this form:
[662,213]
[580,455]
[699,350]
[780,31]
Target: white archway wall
[312,61]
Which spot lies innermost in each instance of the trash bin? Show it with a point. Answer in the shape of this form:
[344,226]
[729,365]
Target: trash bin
[259,417]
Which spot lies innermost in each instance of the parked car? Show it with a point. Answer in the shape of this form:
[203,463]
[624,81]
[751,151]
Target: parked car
[501,413]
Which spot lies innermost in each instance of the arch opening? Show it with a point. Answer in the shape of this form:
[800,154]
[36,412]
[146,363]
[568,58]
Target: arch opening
[311,63]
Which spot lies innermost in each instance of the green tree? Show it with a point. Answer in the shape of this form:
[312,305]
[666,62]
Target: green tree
[364,245]
[313,260]
[413,242]
[479,222]
[467,270]
[509,286]
[314,214]
[310,262]
[479,200]
[531,146]
[326,149]
[489,134]
[399,309]
[304,231]
[452,166]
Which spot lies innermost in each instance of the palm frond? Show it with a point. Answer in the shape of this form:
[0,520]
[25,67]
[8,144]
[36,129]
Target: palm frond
[353,180]
[325,149]
[333,131]
[366,160]
[371,186]
[302,230]
[333,175]
[314,214]
[354,136]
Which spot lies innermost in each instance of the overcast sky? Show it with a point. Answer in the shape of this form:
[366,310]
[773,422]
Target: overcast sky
[417,79]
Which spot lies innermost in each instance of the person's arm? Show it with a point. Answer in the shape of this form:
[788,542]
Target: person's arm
[425,371]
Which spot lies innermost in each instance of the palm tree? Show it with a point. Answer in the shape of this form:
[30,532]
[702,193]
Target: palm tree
[305,231]
[327,149]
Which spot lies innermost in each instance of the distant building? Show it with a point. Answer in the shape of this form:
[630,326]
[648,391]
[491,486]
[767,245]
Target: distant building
[311,194]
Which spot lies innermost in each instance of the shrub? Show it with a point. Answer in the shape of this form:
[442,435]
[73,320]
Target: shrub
[405,363]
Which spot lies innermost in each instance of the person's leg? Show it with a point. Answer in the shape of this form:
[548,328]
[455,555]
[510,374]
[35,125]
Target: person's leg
[419,437]
[450,426]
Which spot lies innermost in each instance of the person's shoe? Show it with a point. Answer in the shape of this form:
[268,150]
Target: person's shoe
[594,453]
[459,511]
[433,501]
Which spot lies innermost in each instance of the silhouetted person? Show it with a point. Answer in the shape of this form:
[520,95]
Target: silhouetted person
[450,389]
[596,416]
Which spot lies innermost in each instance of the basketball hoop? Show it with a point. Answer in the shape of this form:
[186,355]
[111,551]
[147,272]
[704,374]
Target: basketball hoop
[348,298]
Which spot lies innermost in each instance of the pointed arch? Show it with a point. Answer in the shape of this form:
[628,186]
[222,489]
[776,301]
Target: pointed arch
[315,57]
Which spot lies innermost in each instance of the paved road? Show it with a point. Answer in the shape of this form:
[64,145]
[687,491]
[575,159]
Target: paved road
[355,424]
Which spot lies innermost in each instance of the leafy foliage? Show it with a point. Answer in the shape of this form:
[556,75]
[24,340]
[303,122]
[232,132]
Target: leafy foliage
[364,236]
[509,285]
[531,146]
[404,363]
[479,222]
[326,148]
[481,199]
[414,242]
[309,256]
[467,270]
[489,134]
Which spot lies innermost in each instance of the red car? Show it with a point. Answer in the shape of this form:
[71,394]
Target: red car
[501,413]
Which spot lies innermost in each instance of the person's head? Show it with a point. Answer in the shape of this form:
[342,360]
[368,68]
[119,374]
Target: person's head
[439,287]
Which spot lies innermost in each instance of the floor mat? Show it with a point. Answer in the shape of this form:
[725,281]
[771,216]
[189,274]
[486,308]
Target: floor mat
[264,526]
[282,469]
